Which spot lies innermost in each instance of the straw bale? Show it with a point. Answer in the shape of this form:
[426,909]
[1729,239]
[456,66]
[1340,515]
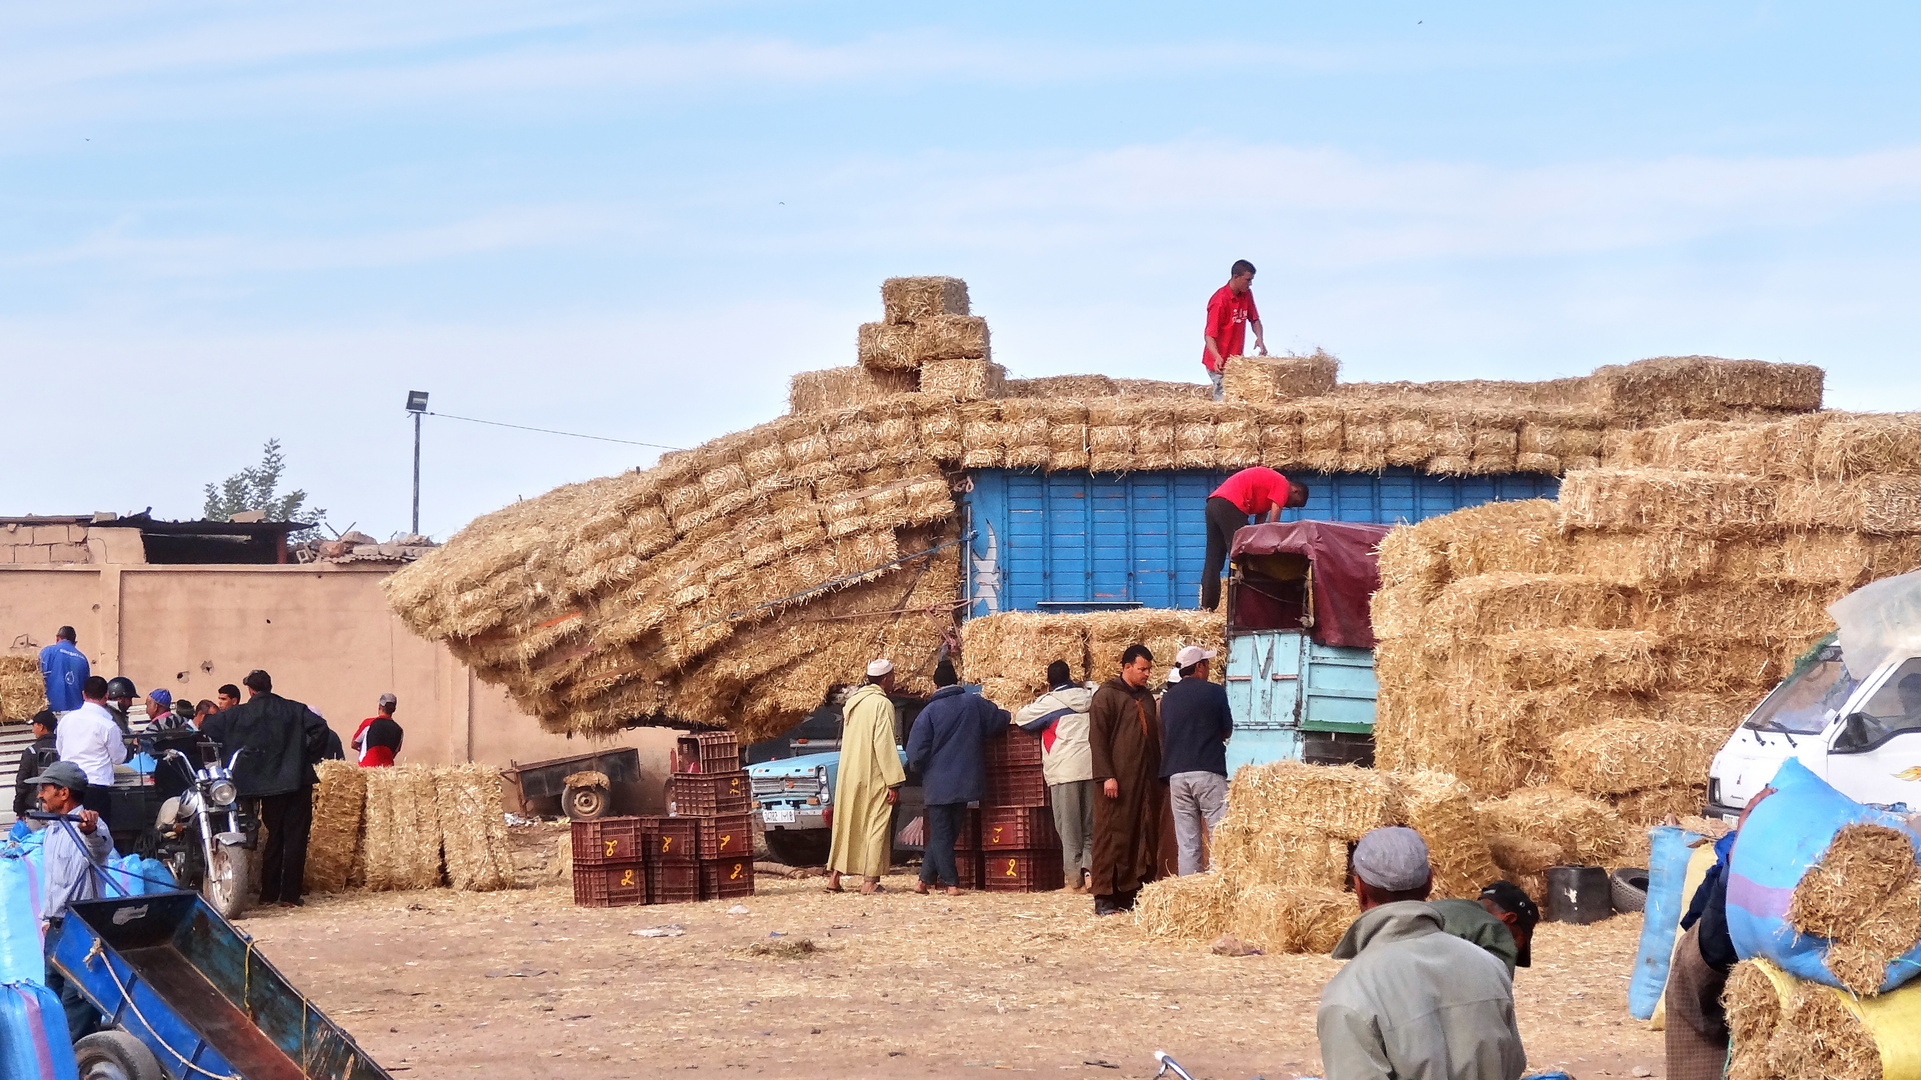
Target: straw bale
[1441,809]
[339,800]
[1852,446]
[1018,645]
[1520,856]
[1237,437]
[1194,435]
[1323,437]
[1753,1008]
[1342,801]
[1878,505]
[1632,755]
[400,841]
[1282,919]
[1652,806]
[886,346]
[1863,866]
[1504,602]
[1409,435]
[1760,610]
[1066,434]
[1494,450]
[951,337]
[1817,1036]
[1450,465]
[1726,666]
[1492,743]
[1280,437]
[962,380]
[1700,503]
[1162,388]
[1262,379]
[1025,434]
[1549,464]
[1415,556]
[1264,846]
[1193,908]
[473,834]
[1062,386]
[940,434]
[981,432]
[1704,387]
[1364,439]
[1592,659]
[1154,436]
[1395,611]
[840,387]
[911,299]
[1587,828]
[22,691]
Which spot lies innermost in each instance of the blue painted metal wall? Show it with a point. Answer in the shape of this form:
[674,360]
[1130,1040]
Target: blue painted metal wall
[1069,541]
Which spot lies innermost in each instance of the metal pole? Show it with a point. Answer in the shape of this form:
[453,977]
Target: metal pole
[416,474]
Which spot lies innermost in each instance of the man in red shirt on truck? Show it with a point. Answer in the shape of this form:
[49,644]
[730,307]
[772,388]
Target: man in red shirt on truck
[1228,313]
[1259,491]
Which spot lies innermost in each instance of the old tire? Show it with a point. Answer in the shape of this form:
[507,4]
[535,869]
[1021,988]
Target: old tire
[116,1055]
[806,847]
[1629,889]
[586,803]
[225,884]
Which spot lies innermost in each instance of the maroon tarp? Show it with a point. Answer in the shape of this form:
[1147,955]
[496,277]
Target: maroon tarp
[1346,571]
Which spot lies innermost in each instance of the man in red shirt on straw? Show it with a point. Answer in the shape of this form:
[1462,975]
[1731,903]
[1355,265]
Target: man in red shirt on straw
[1228,312]
[1260,491]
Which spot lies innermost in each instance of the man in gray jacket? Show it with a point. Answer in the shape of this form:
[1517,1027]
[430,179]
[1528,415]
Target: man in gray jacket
[1413,1002]
[1059,717]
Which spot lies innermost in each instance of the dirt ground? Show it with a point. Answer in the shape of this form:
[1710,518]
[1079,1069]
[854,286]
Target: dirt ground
[522,983]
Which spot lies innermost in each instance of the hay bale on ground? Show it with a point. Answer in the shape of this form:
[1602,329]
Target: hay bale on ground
[1194,907]
[812,392]
[1283,919]
[22,691]
[1520,857]
[1342,801]
[1441,809]
[1253,847]
[1265,379]
[1629,755]
[400,841]
[1586,827]
[473,834]
[339,803]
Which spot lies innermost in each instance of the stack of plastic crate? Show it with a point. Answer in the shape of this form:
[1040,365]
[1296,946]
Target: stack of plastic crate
[608,865]
[1020,851]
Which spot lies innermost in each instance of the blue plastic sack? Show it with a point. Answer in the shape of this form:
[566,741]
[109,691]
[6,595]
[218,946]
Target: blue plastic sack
[21,885]
[1784,836]
[1667,873]
[19,831]
[33,1034]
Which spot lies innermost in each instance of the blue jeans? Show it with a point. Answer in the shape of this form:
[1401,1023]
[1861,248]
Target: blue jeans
[1215,378]
[943,827]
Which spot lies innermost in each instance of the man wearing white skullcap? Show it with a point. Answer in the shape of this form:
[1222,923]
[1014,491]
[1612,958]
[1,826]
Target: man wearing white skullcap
[866,783]
[1413,1000]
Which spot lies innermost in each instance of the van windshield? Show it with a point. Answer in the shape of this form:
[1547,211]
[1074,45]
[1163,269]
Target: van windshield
[1807,702]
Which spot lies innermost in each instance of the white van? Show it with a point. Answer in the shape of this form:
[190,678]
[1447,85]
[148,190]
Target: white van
[1862,735]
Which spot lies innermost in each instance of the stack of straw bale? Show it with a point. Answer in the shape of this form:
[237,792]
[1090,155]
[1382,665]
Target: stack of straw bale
[1264,379]
[1783,1029]
[22,691]
[1008,653]
[1282,852]
[408,827]
[735,583]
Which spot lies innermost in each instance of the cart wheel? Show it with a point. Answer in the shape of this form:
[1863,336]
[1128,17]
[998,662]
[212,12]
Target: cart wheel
[116,1055]
[586,803]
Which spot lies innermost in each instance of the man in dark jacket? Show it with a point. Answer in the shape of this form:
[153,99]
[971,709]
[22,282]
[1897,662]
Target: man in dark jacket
[1195,727]
[1124,733]
[33,761]
[280,740]
[945,748]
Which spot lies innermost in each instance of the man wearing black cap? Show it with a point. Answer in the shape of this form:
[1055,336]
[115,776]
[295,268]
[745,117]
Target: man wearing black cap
[1501,921]
[1414,1000]
[34,759]
[73,852]
[282,740]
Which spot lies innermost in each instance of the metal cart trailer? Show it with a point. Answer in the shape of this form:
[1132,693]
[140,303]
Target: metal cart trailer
[167,970]
[584,786]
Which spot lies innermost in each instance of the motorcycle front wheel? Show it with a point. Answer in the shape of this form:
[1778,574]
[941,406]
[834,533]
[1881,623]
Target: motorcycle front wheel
[225,885]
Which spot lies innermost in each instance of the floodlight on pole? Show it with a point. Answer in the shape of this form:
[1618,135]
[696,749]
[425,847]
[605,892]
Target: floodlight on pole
[417,405]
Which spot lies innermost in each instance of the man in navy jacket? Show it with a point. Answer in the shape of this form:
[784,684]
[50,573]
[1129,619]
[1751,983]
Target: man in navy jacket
[945,748]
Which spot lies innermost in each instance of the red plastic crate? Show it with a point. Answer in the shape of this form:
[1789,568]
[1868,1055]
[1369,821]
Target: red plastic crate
[701,753]
[673,883]
[968,866]
[724,836]
[724,879]
[670,839]
[717,793]
[1032,870]
[1015,785]
[1007,827]
[607,842]
[1016,747]
[970,831]
[611,886]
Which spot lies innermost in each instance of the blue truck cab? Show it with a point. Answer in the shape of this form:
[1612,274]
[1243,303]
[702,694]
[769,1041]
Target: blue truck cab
[793,783]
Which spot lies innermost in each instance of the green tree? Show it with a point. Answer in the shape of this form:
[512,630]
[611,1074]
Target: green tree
[257,488]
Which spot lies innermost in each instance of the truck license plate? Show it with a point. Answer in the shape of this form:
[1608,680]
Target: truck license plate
[778,815]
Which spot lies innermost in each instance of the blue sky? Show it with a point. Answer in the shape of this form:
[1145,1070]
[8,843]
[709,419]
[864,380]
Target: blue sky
[221,223]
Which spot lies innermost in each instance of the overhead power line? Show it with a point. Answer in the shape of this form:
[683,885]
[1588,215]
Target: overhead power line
[551,431]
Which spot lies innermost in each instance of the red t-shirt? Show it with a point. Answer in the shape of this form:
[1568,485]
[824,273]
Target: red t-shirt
[1253,489]
[1227,317]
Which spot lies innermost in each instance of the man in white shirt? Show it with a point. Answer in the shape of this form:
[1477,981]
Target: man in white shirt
[91,739]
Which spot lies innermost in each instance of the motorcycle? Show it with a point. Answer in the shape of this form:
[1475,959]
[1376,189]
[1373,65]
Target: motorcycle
[216,861]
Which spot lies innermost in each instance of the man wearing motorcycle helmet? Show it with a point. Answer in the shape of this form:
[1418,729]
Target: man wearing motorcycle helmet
[120,695]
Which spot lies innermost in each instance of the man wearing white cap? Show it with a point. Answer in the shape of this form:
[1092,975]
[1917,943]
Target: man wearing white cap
[866,784]
[1414,1000]
[1195,727]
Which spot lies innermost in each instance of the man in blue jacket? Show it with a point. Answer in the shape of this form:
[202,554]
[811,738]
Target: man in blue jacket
[64,669]
[945,748]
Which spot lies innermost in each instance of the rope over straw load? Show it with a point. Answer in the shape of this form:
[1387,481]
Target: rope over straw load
[701,588]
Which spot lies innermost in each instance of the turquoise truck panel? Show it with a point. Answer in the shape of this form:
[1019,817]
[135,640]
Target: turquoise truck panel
[1282,684]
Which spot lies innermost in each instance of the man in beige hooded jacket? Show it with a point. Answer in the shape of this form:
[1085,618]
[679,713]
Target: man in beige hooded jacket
[1059,717]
